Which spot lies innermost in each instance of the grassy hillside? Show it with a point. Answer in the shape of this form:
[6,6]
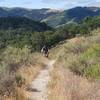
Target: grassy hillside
[76,69]
[18,68]
[76,74]
[81,55]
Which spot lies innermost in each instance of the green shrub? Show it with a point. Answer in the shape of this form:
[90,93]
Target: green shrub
[93,71]
[19,80]
[87,63]
[83,58]
[92,52]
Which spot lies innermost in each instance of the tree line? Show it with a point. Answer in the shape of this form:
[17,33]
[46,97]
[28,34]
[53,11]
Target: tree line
[35,38]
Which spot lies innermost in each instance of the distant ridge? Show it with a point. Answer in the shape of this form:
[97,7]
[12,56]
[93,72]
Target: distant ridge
[22,23]
[52,17]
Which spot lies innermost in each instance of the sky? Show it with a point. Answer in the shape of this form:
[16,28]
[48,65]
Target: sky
[54,4]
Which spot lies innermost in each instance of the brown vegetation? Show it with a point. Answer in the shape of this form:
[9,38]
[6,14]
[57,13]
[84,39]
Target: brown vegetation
[67,86]
[19,69]
[76,73]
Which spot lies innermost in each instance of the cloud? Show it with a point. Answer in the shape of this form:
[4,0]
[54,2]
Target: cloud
[53,1]
[26,2]
[70,3]
[96,4]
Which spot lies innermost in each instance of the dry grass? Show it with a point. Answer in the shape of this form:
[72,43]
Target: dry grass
[76,40]
[29,73]
[67,86]
[55,88]
[25,75]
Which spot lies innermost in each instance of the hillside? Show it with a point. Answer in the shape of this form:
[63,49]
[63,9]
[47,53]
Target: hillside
[22,22]
[76,73]
[72,74]
[72,15]
[80,54]
[35,14]
[20,32]
[51,16]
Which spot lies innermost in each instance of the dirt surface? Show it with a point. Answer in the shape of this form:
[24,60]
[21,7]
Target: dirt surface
[39,85]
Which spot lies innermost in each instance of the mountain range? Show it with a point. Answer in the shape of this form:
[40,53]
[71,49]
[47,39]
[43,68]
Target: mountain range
[52,17]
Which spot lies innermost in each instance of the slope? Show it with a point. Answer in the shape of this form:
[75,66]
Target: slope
[76,73]
[22,22]
[72,15]
[35,14]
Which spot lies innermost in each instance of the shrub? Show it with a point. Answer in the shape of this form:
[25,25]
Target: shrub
[11,60]
[19,80]
[93,71]
[84,63]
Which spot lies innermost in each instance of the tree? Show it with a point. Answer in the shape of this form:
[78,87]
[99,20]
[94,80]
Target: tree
[37,41]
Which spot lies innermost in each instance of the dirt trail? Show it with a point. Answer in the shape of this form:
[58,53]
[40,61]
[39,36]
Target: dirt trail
[39,85]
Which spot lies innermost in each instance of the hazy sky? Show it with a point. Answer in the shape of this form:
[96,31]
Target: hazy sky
[59,4]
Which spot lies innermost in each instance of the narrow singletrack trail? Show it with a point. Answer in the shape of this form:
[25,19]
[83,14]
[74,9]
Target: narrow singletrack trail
[39,85]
